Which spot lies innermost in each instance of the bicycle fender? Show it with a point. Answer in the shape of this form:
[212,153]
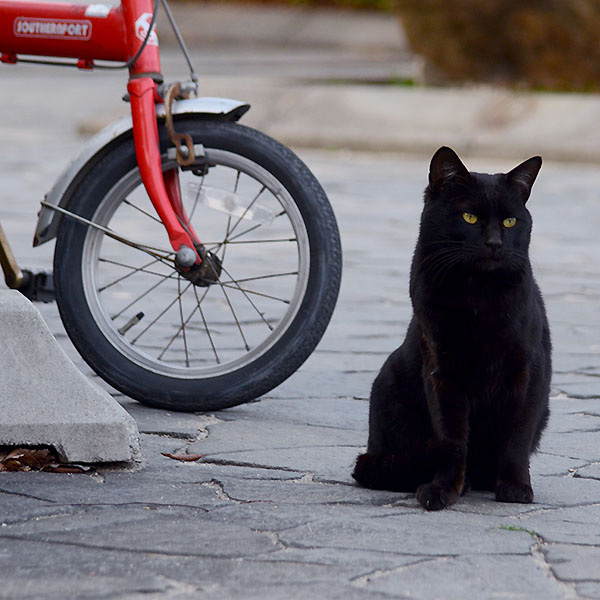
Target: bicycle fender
[62,191]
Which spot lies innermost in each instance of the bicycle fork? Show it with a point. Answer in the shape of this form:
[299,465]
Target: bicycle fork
[163,190]
[144,73]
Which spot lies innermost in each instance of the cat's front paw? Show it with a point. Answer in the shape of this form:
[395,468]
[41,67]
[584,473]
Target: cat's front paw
[513,491]
[435,497]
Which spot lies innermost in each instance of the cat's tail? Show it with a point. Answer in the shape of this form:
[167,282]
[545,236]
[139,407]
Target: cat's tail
[388,472]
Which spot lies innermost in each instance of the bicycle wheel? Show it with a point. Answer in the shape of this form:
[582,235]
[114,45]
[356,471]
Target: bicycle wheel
[179,344]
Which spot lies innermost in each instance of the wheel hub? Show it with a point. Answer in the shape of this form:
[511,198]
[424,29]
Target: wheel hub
[206,273]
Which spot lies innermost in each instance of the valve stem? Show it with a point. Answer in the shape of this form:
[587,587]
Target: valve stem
[133,321]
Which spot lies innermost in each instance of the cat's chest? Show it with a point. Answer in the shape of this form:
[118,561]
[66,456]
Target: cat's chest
[473,312]
[481,366]
[474,326]
[474,344]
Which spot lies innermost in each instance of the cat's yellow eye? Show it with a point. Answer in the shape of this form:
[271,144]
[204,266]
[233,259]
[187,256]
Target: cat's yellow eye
[510,222]
[469,218]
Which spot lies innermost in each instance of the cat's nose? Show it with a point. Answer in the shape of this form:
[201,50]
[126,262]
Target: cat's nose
[494,241]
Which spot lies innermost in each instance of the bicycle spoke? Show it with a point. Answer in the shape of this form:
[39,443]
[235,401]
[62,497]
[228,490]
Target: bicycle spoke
[178,299]
[263,241]
[125,201]
[237,322]
[239,235]
[134,270]
[198,304]
[228,240]
[187,356]
[261,277]
[196,198]
[151,289]
[165,258]
[253,228]
[238,287]
[214,247]
[222,245]
[264,187]
[217,245]
[223,249]
[182,327]
[245,291]
[156,319]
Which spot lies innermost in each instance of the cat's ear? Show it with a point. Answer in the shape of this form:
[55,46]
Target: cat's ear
[445,167]
[524,175]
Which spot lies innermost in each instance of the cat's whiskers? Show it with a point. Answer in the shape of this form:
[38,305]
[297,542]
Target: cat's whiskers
[439,256]
[438,263]
[445,267]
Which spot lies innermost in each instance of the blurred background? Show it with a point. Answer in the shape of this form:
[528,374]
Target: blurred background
[504,79]
[526,44]
[495,79]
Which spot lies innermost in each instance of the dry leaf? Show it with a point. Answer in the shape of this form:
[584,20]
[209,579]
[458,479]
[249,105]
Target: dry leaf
[183,457]
[27,459]
[37,459]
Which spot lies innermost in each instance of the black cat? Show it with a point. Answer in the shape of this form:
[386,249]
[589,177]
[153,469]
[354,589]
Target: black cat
[463,402]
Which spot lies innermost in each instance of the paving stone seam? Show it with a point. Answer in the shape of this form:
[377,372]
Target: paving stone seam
[302,424]
[219,488]
[539,556]
[146,551]
[274,555]
[364,579]
[231,463]
[243,450]
[23,495]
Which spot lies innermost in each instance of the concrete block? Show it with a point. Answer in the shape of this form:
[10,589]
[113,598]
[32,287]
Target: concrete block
[46,400]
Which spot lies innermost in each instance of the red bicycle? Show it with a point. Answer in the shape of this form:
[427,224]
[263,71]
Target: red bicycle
[197,261]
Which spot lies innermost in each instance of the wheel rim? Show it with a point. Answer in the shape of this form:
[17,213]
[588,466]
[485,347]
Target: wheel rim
[249,220]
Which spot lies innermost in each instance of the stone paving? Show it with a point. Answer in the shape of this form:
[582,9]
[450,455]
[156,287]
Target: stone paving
[271,510]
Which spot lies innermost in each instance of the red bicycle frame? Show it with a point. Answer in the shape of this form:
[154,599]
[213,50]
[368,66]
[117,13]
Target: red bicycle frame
[98,32]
